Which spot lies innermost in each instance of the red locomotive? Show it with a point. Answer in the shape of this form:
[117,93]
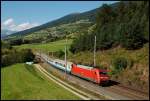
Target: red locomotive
[96,75]
[93,74]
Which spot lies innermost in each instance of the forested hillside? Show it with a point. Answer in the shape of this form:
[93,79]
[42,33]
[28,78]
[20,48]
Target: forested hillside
[122,43]
[126,25]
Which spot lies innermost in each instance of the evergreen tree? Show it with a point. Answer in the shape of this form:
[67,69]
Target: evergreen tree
[127,25]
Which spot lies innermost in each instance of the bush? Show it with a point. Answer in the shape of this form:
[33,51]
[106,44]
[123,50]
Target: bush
[6,60]
[60,53]
[118,65]
[6,45]
[16,42]
[28,55]
[12,56]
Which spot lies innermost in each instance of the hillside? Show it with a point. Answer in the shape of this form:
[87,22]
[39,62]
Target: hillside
[5,33]
[89,16]
[126,26]
[135,75]
[71,18]
[21,81]
[122,43]
[71,30]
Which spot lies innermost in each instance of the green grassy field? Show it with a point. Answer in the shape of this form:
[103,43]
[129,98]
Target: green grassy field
[21,81]
[51,46]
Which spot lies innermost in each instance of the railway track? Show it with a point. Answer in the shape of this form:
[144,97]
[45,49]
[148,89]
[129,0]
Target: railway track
[127,92]
[112,92]
[131,92]
[79,93]
[85,84]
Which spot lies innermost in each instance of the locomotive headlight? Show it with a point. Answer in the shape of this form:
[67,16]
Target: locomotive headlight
[103,77]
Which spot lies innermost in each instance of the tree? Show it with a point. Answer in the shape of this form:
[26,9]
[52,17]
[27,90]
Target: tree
[60,53]
[105,40]
[105,15]
[131,36]
[27,55]
[122,10]
[5,44]
[126,24]
[16,42]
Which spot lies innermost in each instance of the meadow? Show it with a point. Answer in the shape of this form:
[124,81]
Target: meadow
[51,46]
[24,82]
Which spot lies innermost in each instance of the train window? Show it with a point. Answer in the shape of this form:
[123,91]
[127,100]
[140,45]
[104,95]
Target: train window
[104,73]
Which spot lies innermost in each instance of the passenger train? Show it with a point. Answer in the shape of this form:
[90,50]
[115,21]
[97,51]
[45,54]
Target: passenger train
[95,75]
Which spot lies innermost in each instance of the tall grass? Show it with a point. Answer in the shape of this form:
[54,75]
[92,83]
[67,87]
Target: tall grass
[20,82]
[137,72]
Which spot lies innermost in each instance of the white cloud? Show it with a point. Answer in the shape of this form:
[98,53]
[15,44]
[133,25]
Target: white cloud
[24,26]
[8,22]
[10,25]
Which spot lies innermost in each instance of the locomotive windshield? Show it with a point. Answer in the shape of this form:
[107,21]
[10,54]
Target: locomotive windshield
[103,73]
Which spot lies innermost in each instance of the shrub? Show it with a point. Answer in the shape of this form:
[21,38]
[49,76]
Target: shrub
[16,56]
[6,45]
[6,60]
[60,53]
[118,65]
[28,55]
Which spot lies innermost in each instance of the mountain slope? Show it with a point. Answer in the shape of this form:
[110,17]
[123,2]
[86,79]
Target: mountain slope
[53,30]
[90,15]
[5,33]
[71,18]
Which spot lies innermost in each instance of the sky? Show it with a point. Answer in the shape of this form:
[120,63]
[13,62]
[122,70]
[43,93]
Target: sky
[21,15]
